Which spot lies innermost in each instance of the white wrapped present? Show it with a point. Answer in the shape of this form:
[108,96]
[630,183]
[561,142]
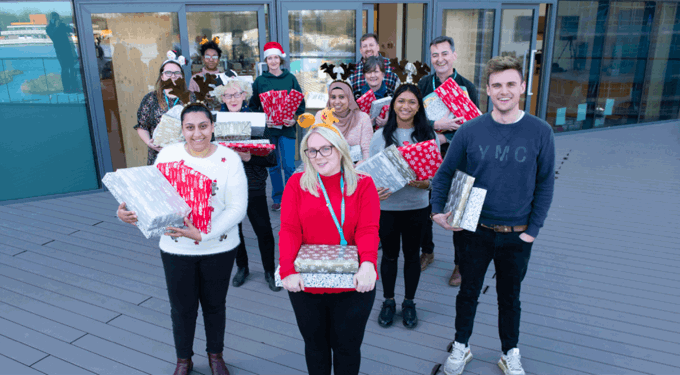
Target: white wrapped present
[322,280]
[169,129]
[473,209]
[435,109]
[388,169]
[149,194]
[378,105]
[235,126]
[465,202]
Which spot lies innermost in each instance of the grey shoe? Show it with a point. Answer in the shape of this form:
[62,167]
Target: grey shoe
[460,356]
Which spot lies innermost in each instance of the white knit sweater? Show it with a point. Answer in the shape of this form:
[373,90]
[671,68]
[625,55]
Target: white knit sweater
[230,203]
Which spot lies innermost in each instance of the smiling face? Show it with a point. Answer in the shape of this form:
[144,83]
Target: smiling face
[233,98]
[338,100]
[406,106]
[273,63]
[369,47]
[171,71]
[324,165]
[442,58]
[374,78]
[211,59]
[197,129]
[505,88]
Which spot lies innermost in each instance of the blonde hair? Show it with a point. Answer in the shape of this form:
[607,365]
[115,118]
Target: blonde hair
[308,181]
[233,83]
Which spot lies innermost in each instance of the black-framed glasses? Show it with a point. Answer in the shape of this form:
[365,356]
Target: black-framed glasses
[324,151]
[171,74]
[229,96]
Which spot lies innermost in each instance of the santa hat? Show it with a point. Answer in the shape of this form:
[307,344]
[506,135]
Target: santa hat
[273,48]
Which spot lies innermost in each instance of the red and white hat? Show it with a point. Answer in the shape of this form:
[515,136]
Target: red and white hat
[273,48]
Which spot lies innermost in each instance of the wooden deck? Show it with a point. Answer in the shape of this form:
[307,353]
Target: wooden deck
[82,293]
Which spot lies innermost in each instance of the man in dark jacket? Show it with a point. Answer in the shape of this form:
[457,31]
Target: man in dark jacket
[60,33]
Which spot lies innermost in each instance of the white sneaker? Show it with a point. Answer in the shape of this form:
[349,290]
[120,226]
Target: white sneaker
[460,356]
[510,363]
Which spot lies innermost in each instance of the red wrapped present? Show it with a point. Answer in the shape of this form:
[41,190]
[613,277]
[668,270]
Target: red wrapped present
[278,102]
[384,110]
[291,104]
[423,157]
[257,149]
[266,100]
[365,101]
[195,188]
[457,101]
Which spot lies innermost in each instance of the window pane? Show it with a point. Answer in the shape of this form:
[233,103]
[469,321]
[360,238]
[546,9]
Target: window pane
[46,147]
[472,33]
[132,47]
[516,28]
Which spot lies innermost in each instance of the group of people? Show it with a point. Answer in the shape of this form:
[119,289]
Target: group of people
[509,152]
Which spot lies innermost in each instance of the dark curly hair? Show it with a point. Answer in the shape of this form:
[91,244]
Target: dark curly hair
[211,45]
[422,130]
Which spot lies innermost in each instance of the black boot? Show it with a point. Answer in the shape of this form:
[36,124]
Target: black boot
[386,316]
[240,276]
[271,282]
[408,311]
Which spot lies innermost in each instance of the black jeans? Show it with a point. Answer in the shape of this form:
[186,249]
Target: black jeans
[511,258]
[401,229]
[191,279]
[332,322]
[258,214]
[427,241]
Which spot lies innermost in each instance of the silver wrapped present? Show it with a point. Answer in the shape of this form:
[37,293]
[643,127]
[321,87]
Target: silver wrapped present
[388,169]
[147,192]
[235,126]
[435,109]
[169,129]
[327,259]
[461,185]
[473,209]
[355,153]
[322,280]
[378,105]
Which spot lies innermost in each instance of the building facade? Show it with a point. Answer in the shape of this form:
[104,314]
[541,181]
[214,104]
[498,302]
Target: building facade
[74,72]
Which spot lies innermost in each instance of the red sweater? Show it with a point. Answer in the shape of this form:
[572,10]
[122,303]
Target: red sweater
[305,219]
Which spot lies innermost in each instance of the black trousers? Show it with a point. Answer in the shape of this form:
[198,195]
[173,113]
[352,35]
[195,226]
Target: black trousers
[401,229]
[511,258]
[427,241]
[332,322]
[191,279]
[258,214]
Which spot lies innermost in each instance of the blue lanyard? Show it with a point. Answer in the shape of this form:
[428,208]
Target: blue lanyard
[343,242]
[168,103]
[455,74]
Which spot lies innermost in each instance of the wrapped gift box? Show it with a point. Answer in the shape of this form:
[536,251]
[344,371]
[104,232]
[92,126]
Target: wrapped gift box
[457,101]
[322,280]
[355,153]
[377,106]
[435,109]
[423,157]
[383,112]
[291,104]
[473,209]
[258,147]
[388,169]
[169,129]
[364,101]
[149,194]
[461,185]
[195,188]
[245,125]
[327,259]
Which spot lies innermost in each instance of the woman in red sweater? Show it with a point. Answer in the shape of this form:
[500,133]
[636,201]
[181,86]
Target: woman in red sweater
[330,320]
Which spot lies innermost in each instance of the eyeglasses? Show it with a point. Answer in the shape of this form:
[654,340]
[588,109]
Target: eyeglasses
[229,97]
[170,74]
[211,57]
[324,151]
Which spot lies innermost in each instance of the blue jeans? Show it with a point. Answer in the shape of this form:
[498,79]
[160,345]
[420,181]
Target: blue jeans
[285,156]
[511,258]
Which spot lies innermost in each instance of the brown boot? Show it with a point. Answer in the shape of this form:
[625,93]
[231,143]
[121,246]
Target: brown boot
[184,366]
[455,279]
[426,260]
[217,365]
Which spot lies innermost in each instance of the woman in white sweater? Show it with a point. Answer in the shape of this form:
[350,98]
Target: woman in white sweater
[198,264]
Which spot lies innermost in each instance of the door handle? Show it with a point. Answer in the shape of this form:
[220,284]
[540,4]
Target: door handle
[531,72]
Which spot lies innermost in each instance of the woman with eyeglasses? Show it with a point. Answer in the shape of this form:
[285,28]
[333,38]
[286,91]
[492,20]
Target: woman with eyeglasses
[354,124]
[159,101]
[234,94]
[328,202]
[403,213]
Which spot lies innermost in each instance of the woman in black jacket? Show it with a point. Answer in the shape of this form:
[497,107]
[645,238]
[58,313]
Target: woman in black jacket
[233,95]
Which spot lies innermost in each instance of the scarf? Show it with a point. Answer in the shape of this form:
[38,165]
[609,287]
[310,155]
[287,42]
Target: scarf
[350,118]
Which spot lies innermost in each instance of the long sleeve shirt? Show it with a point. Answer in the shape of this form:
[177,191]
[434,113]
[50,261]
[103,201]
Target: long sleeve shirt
[305,219]
[515,163]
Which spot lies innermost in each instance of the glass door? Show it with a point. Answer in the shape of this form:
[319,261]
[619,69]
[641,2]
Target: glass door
[518,38]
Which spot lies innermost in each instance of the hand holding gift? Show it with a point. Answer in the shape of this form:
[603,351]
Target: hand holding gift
[129,217]
[364,279]
[189,232]
[293,283]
